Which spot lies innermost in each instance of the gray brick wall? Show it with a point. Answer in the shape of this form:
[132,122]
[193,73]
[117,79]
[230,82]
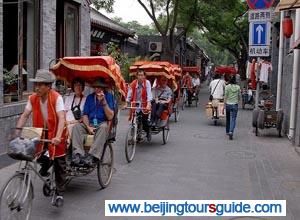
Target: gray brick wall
[287,89]
[8,118]
[85,30]
[48,33]
[1,52]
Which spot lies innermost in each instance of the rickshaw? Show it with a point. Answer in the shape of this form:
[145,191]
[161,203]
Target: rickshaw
[135,134]
[177,72]
[266,117]
[215,109]
[192,70]
[17,193]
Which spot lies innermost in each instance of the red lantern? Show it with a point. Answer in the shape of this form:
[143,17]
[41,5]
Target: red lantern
[287,25]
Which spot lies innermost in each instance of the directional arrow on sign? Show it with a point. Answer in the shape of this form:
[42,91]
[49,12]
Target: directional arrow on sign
[259,30]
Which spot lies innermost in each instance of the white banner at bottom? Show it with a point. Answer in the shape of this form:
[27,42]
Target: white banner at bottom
[195,208]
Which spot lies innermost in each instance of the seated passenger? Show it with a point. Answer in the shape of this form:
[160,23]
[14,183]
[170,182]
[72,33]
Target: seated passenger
[98,109]
[162,95]
[74,104]
[196,84]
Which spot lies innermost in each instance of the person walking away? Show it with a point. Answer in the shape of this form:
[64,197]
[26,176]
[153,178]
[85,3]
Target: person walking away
[47,108]
[232,97]
[216,88]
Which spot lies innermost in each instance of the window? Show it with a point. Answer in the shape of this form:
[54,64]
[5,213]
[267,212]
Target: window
[19,34]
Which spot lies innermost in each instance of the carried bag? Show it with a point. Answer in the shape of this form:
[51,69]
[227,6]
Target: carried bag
[211,97]
[76,109]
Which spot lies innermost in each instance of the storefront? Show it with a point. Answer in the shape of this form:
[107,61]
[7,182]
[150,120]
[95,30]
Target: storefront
[33,33]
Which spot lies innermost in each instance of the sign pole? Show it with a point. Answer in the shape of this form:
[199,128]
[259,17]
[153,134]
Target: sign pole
[257,71]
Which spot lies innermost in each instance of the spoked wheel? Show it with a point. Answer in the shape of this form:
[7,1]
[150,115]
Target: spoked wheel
[16,198]
[215,122]
[105,166]
[165,133]
[176,115]
[256,130]
[183,103]
[130,144]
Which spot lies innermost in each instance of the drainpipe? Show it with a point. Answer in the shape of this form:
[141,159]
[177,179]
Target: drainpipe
[295,85]
[280,60]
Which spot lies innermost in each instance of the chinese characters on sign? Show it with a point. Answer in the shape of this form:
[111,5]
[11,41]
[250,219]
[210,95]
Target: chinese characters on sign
[259,51]
[259,32]
[260,15]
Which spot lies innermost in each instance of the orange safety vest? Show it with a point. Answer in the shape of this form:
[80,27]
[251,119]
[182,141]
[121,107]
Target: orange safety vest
[38,122]
[133,86]
[187,81]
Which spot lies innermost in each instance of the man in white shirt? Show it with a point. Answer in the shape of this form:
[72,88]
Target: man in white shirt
[47,109]
[217,89]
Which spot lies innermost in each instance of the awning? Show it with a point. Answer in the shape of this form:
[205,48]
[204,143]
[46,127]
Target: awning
[287,5]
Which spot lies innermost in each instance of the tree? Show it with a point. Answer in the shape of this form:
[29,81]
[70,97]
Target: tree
[166,14]
[216,54]
[137,27]
[225,25]
[105,4]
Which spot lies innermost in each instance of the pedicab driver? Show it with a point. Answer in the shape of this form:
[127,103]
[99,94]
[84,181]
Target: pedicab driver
[98,109]
[47,108]
[140,91]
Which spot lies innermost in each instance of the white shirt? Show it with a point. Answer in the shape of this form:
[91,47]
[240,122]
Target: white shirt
[219,88]
[196,82]
[68,105]
[44,108]
[265,69]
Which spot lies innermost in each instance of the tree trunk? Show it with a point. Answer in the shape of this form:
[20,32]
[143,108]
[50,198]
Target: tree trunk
[242,61]
[167,53]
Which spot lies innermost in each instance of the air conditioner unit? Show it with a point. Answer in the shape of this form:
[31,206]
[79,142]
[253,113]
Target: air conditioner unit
[155,46]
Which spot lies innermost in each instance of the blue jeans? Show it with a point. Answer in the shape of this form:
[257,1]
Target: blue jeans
[231,114]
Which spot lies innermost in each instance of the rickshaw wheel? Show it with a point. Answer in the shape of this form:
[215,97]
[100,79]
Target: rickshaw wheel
[130,144]
[105,166]
[165,133]
[215,122]
[256,130]
[16,198]
[176,115]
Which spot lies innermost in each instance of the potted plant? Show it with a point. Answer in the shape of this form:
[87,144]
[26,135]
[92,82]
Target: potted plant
[10,82]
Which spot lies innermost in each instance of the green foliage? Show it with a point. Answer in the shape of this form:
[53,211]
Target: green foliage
[225,25]
[217,54]
[104,4]
[137,27]
[9,78]
[121,59]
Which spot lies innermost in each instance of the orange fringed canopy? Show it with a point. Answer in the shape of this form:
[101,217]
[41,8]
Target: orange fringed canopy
[225,70]
[156,69]
[191,69]
[90,68]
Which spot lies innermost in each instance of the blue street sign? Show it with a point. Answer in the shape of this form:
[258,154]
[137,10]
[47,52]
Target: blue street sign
[259,34]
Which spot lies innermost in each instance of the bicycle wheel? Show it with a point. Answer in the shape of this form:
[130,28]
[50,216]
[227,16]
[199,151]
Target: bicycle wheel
[105,166]
[183,101]
[16,198]
[176,115]
[165,133]
[130,144]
